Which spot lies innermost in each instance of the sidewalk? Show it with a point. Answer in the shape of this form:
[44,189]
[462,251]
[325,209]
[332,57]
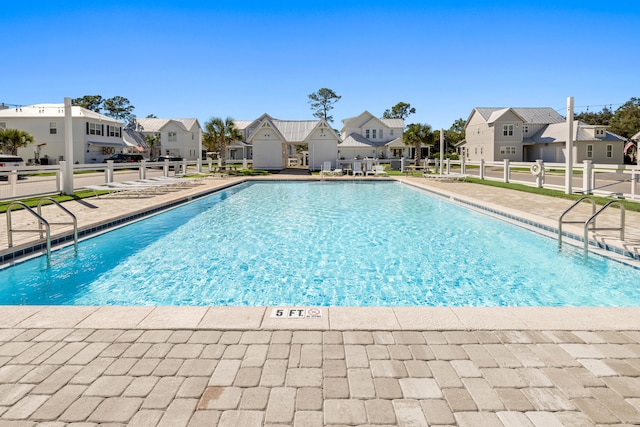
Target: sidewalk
[244,366]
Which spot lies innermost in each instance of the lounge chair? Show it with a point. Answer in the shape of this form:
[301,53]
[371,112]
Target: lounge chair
[113,190]
[368,168]
[326,168]
[378,170]
[446,176]
[337,172]
[357,168]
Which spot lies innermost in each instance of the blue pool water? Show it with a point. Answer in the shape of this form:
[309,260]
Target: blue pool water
[354,243]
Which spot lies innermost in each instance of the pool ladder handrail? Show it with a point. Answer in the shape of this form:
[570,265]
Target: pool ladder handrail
[591,221]
[74,220]
[41,222]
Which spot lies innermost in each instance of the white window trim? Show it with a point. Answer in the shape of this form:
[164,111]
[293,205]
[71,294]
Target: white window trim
[609,151]
[507,130]
[589,151]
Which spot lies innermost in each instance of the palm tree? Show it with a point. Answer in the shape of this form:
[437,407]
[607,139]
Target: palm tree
[416,135]
[12,139]
[219,133]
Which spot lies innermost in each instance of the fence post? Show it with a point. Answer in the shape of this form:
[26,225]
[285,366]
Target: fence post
[481,169]
[165,167]
[587,170]
[448,165]
[540,176]
[199,167]
[506,172]
[402,164]
[143,169]
[463,165]
[109,171]
[634,180]
[13,182]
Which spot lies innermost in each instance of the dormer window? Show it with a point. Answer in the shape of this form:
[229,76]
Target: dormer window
[600,133]
[525,129]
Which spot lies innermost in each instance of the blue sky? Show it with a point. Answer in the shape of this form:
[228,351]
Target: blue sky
[244,58]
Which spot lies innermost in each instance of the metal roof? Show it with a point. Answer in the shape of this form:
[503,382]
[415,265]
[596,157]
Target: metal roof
[541,115]
[557,132]
[295,130]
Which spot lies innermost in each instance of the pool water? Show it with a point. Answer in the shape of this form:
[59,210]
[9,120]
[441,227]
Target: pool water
[321,243]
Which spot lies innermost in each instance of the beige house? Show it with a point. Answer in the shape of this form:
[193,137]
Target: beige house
[178,137]
[95,136]
[276,144]
[529,134]
[368,136]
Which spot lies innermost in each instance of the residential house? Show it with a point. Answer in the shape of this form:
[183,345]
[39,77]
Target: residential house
[275,144]
[177,137]
[368,136]
[529,134]
[95,136]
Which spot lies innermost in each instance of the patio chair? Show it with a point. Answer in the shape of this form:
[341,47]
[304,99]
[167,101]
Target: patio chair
[326,168]
[337,172]
[378,170]
[368,168]
[357,168]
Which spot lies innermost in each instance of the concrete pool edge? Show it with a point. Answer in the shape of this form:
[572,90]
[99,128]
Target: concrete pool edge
[333,318]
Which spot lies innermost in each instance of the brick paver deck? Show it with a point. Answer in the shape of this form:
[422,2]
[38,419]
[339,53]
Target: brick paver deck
[238,366]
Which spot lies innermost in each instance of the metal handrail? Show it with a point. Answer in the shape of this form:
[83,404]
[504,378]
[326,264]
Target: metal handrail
[74,220]
[594,228]
[41,221]
[560,221]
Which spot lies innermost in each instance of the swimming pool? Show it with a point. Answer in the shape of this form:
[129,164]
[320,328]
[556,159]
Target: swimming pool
[321,243]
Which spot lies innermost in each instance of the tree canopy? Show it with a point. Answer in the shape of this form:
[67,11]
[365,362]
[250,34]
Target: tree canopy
[624,121]
[416,135]
[12,139]
[90,102]
[218,133]
[117,107]
[401,110]
[322,102]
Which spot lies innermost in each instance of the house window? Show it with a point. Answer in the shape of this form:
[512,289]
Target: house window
[507,150]
[476,150]
[391,132]
[507,130]
[373,134]
[609,151]
[366,133]
[589,151]
[397,152]
[172,137]
[53,128]
[113,131]
[95,129]
[3,125]
[600,133]
[380,133]
[525,129]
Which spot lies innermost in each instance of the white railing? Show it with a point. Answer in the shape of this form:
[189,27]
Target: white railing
[588,178]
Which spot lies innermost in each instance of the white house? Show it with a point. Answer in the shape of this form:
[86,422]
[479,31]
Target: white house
[274,142]
[178,137]
[529,134]
[368,136]
[95,136]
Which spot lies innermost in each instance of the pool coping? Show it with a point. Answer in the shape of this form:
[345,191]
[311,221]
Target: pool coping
[332,318]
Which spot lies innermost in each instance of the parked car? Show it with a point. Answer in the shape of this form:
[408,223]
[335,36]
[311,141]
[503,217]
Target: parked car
[125,158]
[161,159]
[7,160]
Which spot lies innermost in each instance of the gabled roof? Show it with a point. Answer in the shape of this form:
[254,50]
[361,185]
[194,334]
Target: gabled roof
[55,110]
[557,132]
[157,124]
[366,117]
[288,130]
[543,115]
[357,140]
[134,138]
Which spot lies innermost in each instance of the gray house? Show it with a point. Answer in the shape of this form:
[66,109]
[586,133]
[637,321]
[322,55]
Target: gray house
[529,134]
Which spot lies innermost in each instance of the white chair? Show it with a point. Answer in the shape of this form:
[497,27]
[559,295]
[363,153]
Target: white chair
[337,172]
[378,170]
[368,169]
[326,168]
[357,168]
